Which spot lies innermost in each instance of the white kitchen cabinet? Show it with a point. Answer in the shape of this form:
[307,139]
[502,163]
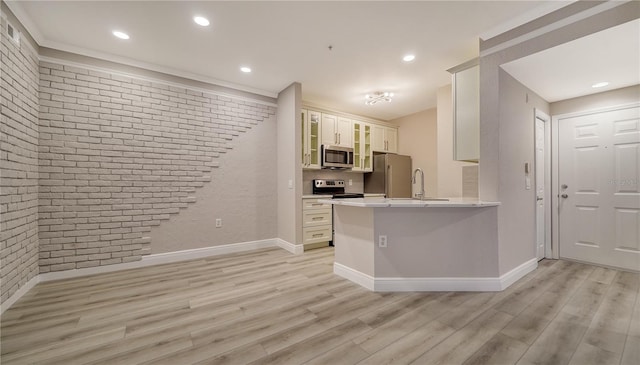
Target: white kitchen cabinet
[466,111]
[311,139]
[362,149]
[336,131]
[317,223]
[385,139]
[392,140]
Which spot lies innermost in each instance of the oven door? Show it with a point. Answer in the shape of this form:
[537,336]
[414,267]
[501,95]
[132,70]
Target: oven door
[336,157]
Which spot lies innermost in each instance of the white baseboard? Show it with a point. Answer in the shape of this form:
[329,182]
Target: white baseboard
[19,293]
[518,273]
[354,275]
[294,249]
[163,258]
[435,284]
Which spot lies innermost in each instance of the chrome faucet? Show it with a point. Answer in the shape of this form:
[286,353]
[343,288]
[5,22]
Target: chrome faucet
[421,193]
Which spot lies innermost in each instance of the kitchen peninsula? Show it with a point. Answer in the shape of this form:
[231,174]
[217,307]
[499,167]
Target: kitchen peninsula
[419,245]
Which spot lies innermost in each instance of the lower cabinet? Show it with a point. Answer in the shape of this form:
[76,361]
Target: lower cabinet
[317,223]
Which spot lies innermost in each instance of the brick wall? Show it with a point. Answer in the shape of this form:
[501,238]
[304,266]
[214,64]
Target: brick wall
[119,155]
[18,165]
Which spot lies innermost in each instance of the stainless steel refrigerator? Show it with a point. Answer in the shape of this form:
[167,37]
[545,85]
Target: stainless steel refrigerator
[391,176]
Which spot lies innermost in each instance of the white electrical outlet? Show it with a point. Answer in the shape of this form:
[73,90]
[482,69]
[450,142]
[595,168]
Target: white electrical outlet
[290,184]
[382,241]
[218,222]
[350,182]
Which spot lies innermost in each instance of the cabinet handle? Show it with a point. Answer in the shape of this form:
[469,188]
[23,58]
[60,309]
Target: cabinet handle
[339,138]
[335,138]
[316,218]
[316,204]
[308,159]
[317,235]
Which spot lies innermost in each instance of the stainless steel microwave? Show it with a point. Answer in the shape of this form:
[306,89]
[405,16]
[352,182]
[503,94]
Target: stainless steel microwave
[337,157]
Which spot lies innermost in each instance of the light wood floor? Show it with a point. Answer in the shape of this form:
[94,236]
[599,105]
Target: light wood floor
[270,307]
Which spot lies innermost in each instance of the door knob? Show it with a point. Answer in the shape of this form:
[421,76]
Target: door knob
[565,196]
[538,198]
[564,186]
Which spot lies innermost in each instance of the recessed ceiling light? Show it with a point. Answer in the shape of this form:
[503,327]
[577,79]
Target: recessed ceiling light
[600,84]
[201,21]
[409,58]
[121,35]
[245,69]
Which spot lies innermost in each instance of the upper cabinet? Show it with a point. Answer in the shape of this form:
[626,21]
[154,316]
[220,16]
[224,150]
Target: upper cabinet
[365,138]
[362,151]
[310,139]
[336,131]
[385,139]
[466,111]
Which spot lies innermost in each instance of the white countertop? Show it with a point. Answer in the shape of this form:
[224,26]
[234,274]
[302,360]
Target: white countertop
[410,203]
[317,196]
[329,196]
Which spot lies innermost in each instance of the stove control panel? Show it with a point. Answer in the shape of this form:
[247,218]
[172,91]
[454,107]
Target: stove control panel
[318,183]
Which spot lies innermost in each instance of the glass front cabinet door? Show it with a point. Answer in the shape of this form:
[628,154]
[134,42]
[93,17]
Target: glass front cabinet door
[310,139]
[362,152]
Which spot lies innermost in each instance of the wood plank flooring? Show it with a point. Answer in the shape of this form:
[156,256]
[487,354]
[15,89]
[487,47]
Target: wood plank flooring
[270,307]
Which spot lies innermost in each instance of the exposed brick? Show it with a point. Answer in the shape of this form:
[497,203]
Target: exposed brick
[127,155]
[19,131]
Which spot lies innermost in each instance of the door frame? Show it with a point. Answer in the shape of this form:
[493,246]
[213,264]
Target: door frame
[540,115]
[555,165]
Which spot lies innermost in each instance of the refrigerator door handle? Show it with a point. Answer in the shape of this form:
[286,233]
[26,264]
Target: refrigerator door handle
[389,182]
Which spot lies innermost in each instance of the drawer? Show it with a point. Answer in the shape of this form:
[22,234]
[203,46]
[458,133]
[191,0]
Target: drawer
[317,234]
[314,204]
[314,218]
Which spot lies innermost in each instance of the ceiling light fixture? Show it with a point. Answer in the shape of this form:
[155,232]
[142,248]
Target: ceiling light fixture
[202,21]
[245,69]
[409,58]
[376,97]
[121,35]
[600,84]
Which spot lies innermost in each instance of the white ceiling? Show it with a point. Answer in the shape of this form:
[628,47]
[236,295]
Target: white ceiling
[285,42]
[568,71]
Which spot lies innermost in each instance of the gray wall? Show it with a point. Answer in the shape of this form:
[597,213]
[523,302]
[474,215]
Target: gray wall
[19,164]
[436,242]
[289,128]
[517,214]
[605,99]
[242,192]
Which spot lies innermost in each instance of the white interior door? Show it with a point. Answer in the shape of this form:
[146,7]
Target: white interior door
[541,191]
[599,173]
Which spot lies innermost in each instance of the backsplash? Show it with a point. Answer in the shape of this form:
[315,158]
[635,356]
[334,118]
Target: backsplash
[470,181]
[357,179]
